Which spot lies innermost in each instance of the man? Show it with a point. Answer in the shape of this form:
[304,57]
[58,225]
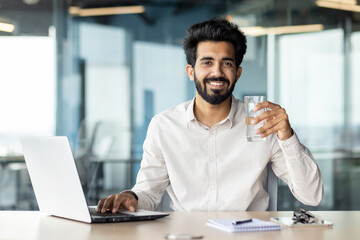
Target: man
[198,152]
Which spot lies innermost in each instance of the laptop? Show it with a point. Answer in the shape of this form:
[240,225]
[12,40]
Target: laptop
[57,185]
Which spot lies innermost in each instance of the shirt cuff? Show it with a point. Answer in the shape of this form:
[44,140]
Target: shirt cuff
[132,193]
[288,142]
[291,148]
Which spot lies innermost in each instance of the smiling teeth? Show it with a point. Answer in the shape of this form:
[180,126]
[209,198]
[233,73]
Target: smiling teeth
[216,83]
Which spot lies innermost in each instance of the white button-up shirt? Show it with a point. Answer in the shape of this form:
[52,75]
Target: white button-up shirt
[215,168]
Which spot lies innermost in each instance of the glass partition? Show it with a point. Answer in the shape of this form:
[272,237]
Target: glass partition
[28,91]
[100,79]
[313,89]
[28,95]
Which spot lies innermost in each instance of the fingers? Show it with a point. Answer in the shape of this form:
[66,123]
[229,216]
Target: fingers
[124,201]
[130,204]
[275,120]
[100,205]
[274,126]
[270,115]
[117,201]
[266,104]
[106,204]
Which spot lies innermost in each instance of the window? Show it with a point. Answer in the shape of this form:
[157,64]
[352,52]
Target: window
[27,89]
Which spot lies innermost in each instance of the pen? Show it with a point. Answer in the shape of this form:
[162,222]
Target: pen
[237,222]
[183,236]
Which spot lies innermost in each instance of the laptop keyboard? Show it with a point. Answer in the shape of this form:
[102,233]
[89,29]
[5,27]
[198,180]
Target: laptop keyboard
[93,212]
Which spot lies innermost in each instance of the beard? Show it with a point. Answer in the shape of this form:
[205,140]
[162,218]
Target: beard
[215,97]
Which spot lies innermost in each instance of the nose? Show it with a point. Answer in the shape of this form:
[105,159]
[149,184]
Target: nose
[217,71]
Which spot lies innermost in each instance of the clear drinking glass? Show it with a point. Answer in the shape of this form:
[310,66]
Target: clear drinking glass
[250,103]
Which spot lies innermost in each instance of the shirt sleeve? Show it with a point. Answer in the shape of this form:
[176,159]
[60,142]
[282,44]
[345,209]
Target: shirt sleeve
[294,164]
[152,178]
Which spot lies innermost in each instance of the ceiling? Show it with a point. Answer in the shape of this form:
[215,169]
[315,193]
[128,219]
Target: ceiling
[25,5]
[46,5]
[32,15]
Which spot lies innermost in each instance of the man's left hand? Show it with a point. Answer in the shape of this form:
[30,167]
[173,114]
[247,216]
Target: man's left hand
[275,120]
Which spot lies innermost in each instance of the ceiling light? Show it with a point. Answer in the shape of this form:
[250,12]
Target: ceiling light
[260,31]
[6,27]
[353,2]
[341,5]
[31,2]
[76,11]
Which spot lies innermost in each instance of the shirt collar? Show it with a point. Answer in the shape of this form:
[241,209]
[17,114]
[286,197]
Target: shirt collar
[231,117]
[233,110]
[190,112]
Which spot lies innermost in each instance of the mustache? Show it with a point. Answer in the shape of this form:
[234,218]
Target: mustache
[219,79]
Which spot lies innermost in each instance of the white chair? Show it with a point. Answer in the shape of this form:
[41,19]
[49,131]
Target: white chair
[272,189]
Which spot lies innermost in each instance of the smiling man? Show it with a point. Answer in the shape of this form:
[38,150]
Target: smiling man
[198,152]
[219,87]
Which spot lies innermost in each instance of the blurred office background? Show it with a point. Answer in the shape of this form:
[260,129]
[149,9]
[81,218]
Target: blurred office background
[98,70]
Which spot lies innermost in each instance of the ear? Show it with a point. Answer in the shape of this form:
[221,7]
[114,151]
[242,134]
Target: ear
[190,72]
[238,73]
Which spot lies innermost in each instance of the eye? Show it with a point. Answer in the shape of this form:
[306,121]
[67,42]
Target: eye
[228,64]
[206,62]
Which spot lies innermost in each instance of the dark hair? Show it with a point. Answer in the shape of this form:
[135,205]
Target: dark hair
[216,29]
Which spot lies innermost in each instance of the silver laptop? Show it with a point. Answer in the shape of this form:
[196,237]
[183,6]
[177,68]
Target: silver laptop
[57,184]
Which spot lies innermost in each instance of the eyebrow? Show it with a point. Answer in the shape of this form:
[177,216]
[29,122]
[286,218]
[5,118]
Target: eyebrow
[206,58]
[223,59]
[228,59]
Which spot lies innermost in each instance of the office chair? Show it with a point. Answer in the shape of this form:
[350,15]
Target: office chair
[271,188]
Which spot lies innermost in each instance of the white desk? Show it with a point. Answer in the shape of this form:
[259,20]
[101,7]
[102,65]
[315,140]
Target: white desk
[34,225]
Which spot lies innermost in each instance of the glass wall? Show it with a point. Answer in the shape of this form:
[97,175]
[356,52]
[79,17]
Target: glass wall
[311,87]
[160,82]
[355,96]
[312,90]
[28,91]
[100,79]
[317,87]
[27,98]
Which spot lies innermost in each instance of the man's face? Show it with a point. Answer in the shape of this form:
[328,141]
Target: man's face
[215,72]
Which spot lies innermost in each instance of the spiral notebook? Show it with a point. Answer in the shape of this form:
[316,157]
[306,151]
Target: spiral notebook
[256,225]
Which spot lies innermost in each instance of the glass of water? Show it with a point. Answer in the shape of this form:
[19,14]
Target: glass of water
[250,114]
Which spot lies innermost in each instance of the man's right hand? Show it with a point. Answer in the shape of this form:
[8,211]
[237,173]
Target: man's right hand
[114,202]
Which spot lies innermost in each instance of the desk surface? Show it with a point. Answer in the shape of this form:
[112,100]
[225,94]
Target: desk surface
[34,225]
